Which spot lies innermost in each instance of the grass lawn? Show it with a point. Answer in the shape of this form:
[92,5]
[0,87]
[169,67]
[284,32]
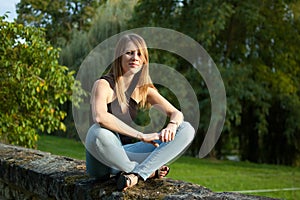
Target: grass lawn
[216,175]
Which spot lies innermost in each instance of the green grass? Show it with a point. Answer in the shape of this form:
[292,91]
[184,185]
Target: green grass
[216,175]
[236,176]
[62,146]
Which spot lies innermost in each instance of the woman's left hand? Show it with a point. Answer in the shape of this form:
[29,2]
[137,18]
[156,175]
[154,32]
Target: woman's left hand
[168,134]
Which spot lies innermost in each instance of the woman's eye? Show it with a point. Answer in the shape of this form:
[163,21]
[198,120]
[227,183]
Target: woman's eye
[132,53]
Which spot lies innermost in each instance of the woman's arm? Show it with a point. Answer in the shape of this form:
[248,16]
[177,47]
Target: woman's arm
[101,94]
[176,117]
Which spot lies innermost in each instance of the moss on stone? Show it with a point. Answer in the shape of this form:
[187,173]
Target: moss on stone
[69,180]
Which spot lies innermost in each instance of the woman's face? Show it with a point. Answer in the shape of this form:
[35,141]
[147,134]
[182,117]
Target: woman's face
[131,59]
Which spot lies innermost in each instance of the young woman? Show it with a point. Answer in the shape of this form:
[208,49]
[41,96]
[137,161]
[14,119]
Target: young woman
[115,100]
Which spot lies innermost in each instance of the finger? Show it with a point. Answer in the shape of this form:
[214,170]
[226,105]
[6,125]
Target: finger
[154,144]
[166,135]
[173,135]
[163,135]
[170,136]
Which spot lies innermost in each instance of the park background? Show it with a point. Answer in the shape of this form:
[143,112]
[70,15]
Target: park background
[255,45]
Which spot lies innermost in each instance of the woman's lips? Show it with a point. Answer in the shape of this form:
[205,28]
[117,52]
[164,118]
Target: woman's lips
[133,64]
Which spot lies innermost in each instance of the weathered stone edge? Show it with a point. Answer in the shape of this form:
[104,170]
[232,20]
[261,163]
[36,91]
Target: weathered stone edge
[40,175]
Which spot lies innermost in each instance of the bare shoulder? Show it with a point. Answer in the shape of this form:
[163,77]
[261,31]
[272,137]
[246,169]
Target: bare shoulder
[102,89]
[101,84]
[152,91]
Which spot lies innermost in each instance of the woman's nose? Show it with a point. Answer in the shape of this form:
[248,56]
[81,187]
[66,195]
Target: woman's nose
[135,56]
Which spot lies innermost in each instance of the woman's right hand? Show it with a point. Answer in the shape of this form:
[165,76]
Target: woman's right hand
[150,137]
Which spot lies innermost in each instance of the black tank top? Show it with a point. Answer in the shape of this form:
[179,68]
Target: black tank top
[115,109]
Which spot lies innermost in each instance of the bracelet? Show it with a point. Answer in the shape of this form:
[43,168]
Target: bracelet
[173,122]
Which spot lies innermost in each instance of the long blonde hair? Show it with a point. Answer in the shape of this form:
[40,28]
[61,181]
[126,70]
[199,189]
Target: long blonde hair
[116,69]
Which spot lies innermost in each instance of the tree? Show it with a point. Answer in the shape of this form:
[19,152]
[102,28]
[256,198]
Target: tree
[265,51]
[256,52]
[58,17]
[201,20]
[33,85]
[109,19]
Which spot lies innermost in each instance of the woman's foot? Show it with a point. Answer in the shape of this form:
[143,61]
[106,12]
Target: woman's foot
[161,172]
[126,181]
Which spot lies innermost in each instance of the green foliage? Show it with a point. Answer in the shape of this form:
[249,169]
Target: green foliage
[58,17]
[110,19]
[254,44]
[256,52]
[268,47]
[33,85]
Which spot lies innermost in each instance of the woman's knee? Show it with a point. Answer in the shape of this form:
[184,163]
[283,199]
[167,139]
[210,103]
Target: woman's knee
[188,130]
[101,136]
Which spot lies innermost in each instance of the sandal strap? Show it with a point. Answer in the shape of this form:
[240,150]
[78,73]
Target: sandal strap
[130,177]
[126,181]
[157,172]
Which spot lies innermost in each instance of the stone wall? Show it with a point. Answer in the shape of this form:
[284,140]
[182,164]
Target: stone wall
[31,174]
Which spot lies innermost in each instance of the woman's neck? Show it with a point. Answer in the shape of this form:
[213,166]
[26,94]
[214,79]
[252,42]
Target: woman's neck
[127,79]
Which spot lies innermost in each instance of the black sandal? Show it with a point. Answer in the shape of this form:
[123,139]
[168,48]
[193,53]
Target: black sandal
[125,181]
[157,172]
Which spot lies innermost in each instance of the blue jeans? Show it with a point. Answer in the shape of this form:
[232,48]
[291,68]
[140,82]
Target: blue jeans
[106,155]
